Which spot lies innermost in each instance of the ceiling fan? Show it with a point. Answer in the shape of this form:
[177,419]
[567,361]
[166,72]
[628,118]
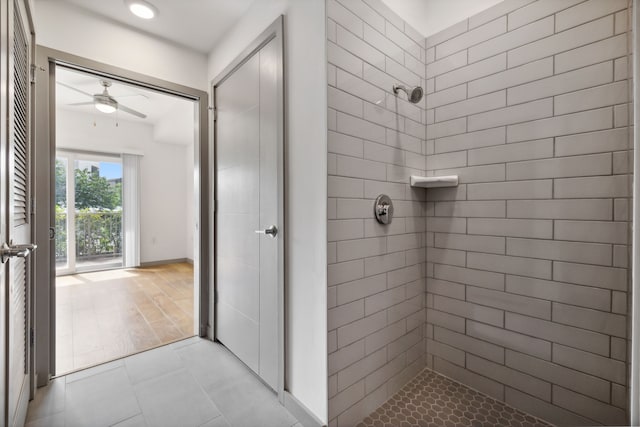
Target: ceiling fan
[104,102]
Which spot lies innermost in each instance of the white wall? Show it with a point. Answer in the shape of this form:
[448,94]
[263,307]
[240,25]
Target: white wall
[65,27]
[306,169]
[163,171]
[432,16]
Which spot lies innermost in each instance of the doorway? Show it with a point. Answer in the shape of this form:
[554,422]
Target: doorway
[249,144]
[125,245]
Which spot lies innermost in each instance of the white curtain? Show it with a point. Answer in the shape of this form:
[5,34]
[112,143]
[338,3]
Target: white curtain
[131,209]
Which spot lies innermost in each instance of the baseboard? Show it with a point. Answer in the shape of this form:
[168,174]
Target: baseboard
[302,414]
[166,261]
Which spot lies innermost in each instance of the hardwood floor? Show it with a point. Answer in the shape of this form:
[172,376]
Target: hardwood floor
[106,315]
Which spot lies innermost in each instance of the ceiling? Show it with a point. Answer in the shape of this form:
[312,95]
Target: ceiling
[196,24]
[161,109]
[432,16]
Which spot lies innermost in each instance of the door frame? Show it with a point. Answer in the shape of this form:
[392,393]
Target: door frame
[46,61]
[275,31]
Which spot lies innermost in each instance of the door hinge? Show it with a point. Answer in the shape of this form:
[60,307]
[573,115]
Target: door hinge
[33,69]
[33,206]
[31,337]
[215,113]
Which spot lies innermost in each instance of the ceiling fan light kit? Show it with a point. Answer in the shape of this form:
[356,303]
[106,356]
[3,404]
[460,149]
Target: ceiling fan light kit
[142,9]
[104,102]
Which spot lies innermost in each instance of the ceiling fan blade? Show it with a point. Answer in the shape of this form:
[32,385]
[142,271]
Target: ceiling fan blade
[82,103]
[74,89]
[131,111]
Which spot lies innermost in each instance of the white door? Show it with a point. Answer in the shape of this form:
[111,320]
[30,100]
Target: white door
[16,259]
[249,211]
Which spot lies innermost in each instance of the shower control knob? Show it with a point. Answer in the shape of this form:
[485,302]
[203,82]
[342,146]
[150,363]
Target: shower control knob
[383,209]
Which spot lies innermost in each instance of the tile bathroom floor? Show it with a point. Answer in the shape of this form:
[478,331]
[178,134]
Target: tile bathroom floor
[194,382]
[431,399]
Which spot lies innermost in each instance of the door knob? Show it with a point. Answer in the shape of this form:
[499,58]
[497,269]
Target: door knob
[272,231]
[20,251]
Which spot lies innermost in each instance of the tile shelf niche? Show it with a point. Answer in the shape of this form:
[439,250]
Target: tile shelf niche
[434,181]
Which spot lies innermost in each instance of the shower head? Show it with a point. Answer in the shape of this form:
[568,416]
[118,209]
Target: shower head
[413,95]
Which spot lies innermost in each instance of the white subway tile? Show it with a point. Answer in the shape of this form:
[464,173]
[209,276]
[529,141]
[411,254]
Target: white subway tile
[360,328]
[447,160]
[354,249]
[510,115]
[593,142]
[586,406]
[481,209]
[343,59]
[472,37]
[537,229]
[557,333]
[344,17]
[505,42]
[358,289]
[509,302]
[586,209]
[445,320]
[538,189]
[587,11]
[539,149]
[502,8]
[382,300]
[344,187]
[446,289]
[384,10]
[469,310]
[345,272]
[556,374]
[382,44]
[510,265]
[345,229]
[604,50]
[568,124]
[353,208]
[562,83]
[448,33]
[600,96]
[592,320]
[402,74]
[591,275]
[365,12]
[407,44]
[537,10]
[343,144]
[383,117]
[593,364]
[489,244]
[596,164]
[560,42]
[447,64]
[359,128]
[543,409]
[512,77]
[474,71]
[583,296]
[359,168]
[415,66]
[360,48]
[592,231]
[345,314]
[513,340]
[621,69]
[588,253]
[470,106]
[447,256]
[358,87]
[344,102]
[446,352]
[384,263]
[484,279]
[447,96]
[345,356]
[622,21]
[451,127]
[473,174]
[600,186]
[510,377]
[471,140]
[469,344]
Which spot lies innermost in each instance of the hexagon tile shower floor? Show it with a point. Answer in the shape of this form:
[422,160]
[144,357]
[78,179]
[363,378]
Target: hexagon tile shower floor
[432,400]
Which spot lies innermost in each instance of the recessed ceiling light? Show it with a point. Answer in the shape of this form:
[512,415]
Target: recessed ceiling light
[142,9]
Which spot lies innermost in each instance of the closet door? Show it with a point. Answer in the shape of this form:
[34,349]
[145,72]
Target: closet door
[16,247]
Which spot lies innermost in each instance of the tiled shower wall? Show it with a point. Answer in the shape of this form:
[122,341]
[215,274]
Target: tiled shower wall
[528,256]
[376,274]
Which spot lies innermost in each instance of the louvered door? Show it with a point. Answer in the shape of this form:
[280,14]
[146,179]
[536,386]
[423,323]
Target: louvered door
[19,220]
